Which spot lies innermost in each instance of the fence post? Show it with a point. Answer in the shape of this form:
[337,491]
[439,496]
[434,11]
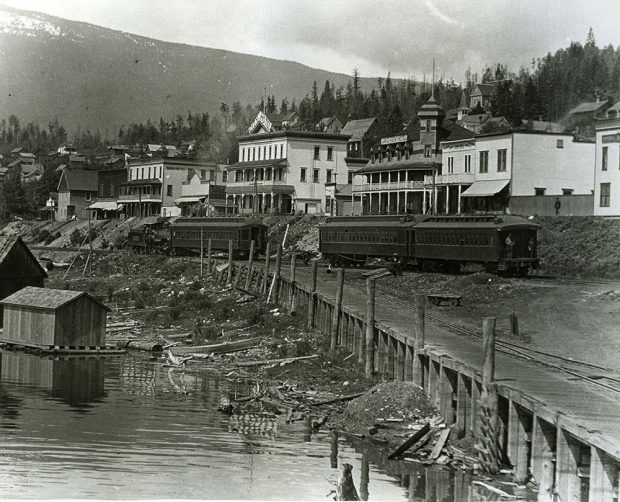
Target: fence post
[276,277]
[265,285]
[312,303]
[230,262]
[248,279]
[337,307]
[209,253]
[418,327]
[292,286]
[489,421]
[370,326]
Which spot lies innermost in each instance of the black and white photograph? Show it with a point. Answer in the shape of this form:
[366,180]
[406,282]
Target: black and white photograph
[351,250]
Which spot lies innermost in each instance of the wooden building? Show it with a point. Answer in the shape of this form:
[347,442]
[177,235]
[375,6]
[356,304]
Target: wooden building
[18,267]
[50,318]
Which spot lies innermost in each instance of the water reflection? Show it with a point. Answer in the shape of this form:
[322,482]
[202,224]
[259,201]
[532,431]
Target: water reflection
[77,381]
[150,433]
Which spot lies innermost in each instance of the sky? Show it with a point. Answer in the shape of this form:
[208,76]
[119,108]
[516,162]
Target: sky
[375,36]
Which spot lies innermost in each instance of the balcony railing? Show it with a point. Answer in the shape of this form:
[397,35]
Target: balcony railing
[261,183]
[389,185]
[145,197]
[450,179]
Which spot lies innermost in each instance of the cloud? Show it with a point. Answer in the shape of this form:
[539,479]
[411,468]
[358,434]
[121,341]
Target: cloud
[431,6]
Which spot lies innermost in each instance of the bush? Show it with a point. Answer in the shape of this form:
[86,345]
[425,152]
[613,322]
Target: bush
[76,237]
[43,235]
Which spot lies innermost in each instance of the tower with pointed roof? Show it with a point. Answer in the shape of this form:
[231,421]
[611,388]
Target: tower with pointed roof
[431,117]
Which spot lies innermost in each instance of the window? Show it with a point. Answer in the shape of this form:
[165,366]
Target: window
[350,178]
[567,191]
[605,149]
[224,176]
[211,174]
[450,165]
[501,160]
[428,125]
[112,189]
[467,163]
[149,176]
[203,173]
[539,191]
[102,189]
[559,143]
[264,153]
[87,196]
[302,174]
[270,151]
[315,176]
[169,190]
[372,157]
[328,176]
[243,154]
[142,174]
[330,152]
[317,149]
[605,190]
[484,162]
[427,151]
[281,151]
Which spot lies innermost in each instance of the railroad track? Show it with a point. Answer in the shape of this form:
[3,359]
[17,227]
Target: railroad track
[581,370]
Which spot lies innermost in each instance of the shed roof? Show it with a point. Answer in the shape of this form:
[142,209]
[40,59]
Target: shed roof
[6,244]
[358,128]
[589,107]
[44,298]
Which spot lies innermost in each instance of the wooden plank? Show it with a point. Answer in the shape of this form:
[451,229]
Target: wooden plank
[410,442]
[443,437]
[219,348]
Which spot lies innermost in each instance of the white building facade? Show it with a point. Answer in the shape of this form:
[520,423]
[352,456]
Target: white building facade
[607,168]
[285,172]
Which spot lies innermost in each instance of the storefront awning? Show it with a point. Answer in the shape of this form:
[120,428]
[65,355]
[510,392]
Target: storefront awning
[485,188]
[104,205]
[187,200]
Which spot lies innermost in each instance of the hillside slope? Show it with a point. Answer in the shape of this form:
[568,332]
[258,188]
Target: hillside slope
[99,78]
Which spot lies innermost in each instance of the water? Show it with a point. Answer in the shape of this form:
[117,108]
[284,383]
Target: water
[121,427]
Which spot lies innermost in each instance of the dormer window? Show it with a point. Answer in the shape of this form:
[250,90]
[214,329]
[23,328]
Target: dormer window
[406,152]
[398,154]
[428,125]
[372,157]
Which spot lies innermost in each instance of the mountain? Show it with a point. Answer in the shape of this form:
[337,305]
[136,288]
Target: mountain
[97,78]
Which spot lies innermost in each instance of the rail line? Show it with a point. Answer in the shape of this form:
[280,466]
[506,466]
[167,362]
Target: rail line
[521,352]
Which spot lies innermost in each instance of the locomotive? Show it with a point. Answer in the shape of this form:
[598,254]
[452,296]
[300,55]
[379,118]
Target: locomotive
[182,236]
[501,244]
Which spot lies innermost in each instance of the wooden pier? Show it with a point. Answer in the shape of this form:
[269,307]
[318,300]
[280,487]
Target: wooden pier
[563,432]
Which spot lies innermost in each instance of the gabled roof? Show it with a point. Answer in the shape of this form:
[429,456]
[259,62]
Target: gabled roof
[278,118]
[79,179]
[358,128]
[77,158]
[543,126]
[485,90]
[15,163]
[27,155]
[7,242]
[615,108]
[326,121]
[44,298]
[589,107]
[456,132]
[16,150]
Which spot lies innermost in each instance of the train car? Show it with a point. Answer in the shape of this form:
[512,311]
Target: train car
[351,240]
[504,244]
[151,236]
[185,235]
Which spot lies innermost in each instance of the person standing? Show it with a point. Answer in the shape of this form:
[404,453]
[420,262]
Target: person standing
[557,206]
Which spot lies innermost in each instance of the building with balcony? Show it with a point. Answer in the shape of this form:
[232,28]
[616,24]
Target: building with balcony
[285,171]
[520,172]
[153,184]
[607,165]
[393,180]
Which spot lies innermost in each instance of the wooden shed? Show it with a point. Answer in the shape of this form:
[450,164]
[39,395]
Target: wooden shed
[18,267]
[54,318]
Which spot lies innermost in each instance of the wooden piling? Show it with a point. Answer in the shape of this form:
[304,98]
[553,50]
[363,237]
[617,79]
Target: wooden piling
[603,475]
[400,361]
[337,309]
[408,371]
[370,327]
[202,253]
[230,262]
[248,279]
[543,458]
[419,305]
[489,419]
[568,458]
[463,402]
[312,302]
[518,434]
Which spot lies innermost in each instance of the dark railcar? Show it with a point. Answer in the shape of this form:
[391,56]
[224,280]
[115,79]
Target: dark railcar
[500,243]
[185,235]
[350,240]
[151,236]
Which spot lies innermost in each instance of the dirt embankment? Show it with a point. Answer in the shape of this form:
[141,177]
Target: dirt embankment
[580,246]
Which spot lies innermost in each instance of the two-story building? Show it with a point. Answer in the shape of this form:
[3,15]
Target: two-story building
[202,197]
[607,164]
[77,190]
[153,184]
[363,134]
[285,171]
[521,172]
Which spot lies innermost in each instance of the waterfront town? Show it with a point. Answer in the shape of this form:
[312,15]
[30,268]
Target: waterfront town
[393,289]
